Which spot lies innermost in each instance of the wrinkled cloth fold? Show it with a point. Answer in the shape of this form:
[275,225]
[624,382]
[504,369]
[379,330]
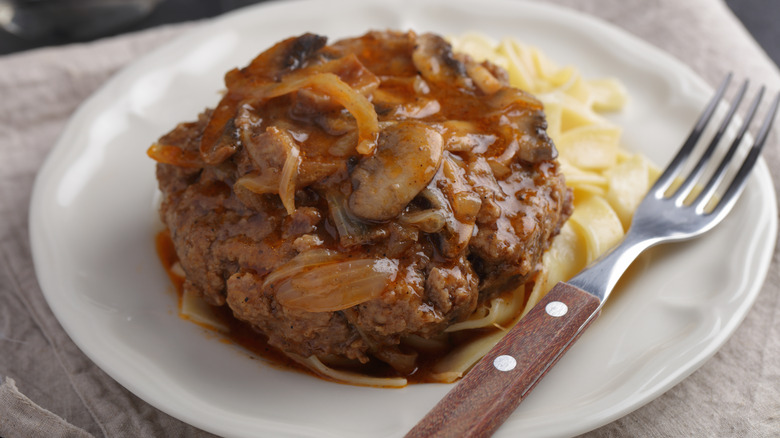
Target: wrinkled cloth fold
[21,414]
[49,385]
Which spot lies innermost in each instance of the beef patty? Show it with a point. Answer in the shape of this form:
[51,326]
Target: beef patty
[342,197]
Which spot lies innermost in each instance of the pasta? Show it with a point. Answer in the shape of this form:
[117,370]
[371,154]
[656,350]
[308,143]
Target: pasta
[608,182]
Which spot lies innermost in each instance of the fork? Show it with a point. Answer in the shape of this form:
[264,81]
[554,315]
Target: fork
[491,391]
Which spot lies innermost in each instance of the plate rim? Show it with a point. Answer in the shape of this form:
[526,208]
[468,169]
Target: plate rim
[59,152]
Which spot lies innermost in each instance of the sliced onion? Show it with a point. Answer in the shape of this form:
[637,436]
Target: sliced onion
[289,175]
[462,136]
[420,86]
[456,363]
[483,78]
[455,235]
[466,205]
[317,366]
[177,270]
[464,201]
[330,84]
[509,153]
[247,122]
[509,96]
[428,221]
[352,231]
[440,203]
[300,262]
[259,183]
[486,315]
[331,286]
[345,80]
[270,180]
[350,70]
[313,169]
[174,155]
[417,110]
[499,169]
[344,145]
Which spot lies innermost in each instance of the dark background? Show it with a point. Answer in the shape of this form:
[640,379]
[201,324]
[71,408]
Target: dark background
[760,17]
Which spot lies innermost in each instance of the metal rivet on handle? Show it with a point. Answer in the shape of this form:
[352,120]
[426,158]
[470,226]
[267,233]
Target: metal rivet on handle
[556,308]
[504,363]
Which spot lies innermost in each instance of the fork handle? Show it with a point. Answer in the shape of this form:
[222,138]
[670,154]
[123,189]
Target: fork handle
[491,391]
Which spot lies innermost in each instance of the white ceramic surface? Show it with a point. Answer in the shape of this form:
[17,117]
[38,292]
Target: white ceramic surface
[93,222]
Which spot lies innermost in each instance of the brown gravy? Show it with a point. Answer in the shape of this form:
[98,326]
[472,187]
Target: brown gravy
[256,343]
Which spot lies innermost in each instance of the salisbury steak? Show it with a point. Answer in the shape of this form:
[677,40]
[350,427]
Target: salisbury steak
[340,198]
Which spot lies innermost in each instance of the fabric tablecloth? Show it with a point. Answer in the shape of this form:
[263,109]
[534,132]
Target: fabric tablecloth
[48,387]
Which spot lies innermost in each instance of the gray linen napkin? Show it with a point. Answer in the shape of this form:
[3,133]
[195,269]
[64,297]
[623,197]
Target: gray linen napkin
[736,393]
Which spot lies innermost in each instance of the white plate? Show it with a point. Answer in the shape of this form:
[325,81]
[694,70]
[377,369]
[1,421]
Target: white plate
[93,221]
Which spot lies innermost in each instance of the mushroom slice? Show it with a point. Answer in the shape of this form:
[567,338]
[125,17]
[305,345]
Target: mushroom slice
[408,156]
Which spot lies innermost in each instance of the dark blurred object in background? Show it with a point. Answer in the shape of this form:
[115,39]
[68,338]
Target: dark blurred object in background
[27,24]
[70,19]
[762,20]
[37,23]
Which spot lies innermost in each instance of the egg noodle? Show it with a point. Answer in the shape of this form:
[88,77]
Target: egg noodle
[608,183]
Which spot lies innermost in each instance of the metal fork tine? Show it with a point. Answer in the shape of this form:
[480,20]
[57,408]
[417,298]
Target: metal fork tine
[685,189]
[709,190]
[738,183]
[665,180]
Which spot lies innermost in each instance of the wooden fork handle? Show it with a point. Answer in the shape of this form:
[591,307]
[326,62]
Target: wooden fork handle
[497,384]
